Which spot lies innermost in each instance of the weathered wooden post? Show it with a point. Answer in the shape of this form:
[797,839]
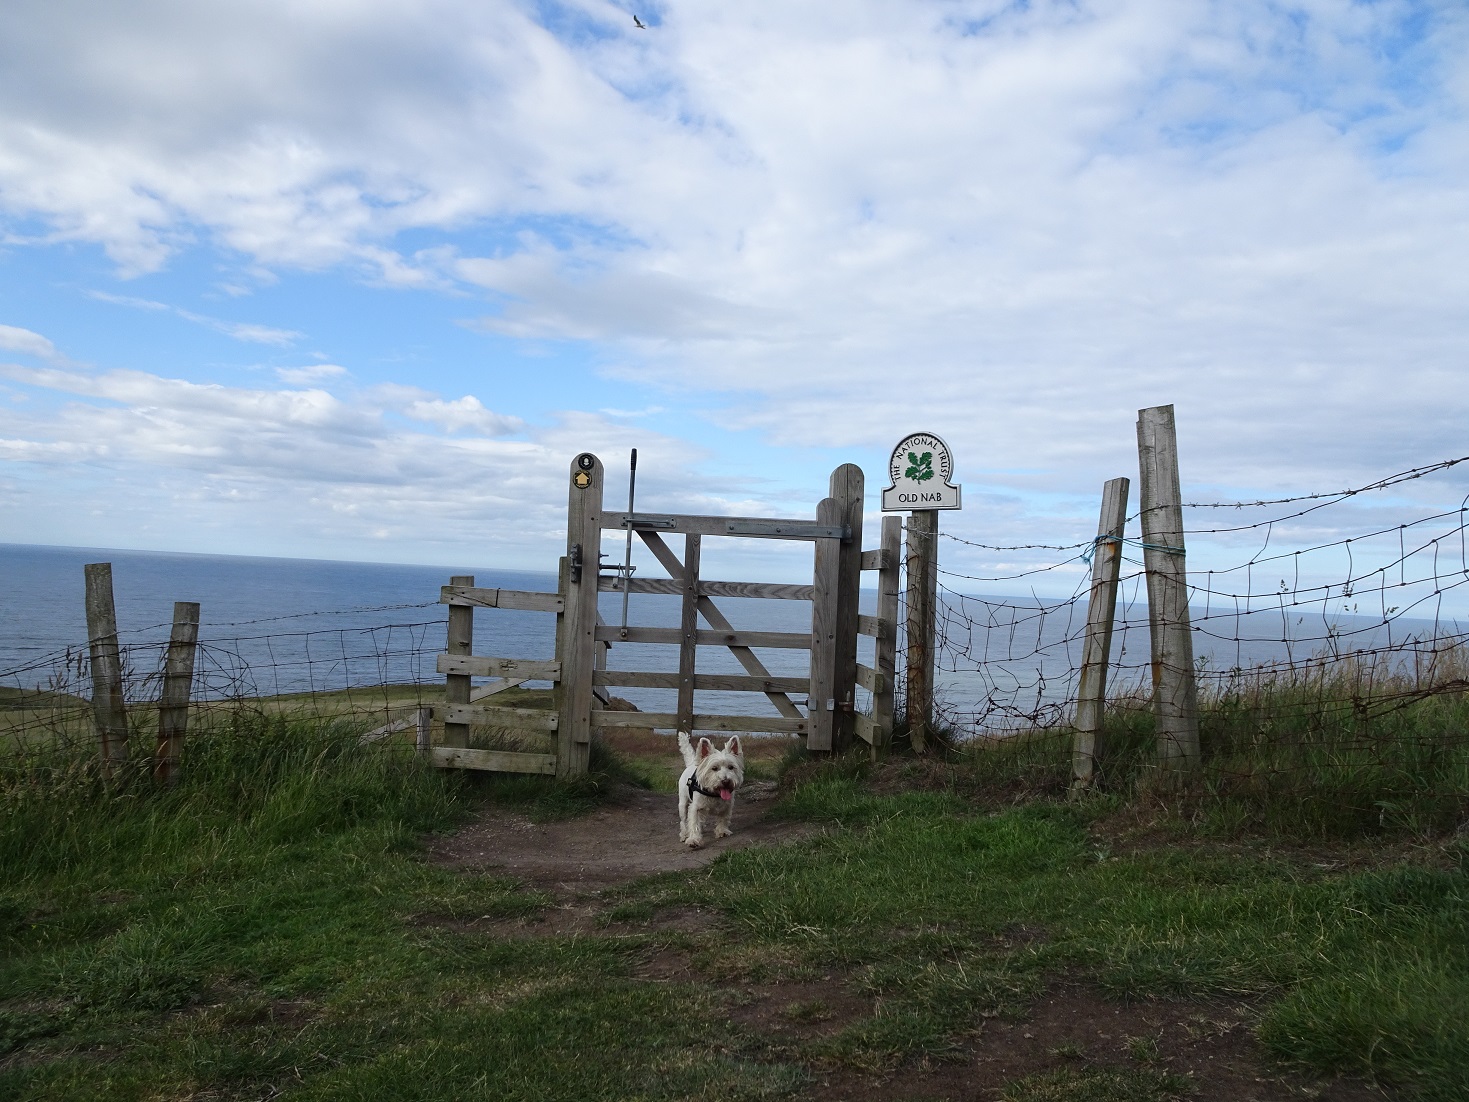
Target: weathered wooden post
[886,648]
[825,608]
[920,468]
[178,690]
[1101,610]
[1175,694]
[847,489]
[921,563]
[576,636]
[460,642]
[688,646]
[109,709]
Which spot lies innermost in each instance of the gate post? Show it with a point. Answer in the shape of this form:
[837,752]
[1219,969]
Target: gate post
[577,634]
[826,590]
[847,488]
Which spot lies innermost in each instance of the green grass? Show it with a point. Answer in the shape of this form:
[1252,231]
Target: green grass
[269,925]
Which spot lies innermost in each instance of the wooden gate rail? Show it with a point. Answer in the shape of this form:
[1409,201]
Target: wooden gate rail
[579,670]
[459,710]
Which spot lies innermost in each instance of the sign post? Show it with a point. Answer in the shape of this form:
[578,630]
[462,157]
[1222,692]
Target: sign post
[920,468]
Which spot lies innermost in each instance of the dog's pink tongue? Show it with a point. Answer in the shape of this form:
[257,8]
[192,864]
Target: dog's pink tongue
[724,794]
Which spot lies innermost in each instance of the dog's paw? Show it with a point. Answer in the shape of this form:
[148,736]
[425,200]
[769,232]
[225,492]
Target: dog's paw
[694,843]
[722,832]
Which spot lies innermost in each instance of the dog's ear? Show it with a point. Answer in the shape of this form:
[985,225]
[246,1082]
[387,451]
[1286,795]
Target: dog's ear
[733,746]
[705,748]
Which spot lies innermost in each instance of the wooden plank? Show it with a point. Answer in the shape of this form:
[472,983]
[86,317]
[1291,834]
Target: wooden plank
[668,721]
[377,734]
[109,710]
[867,729]
[922,564]
[423,729]
[876,560]
[875,627]
[460,644]
[688,644]
[1101,610]
[717,682]
[760,527]
[821,704]
[497,761]
[480,665]
[776,640]
[716,620]
[178,689]
[496,687]
[490,715]
[521,599]
[762,590]
[847,488]
[1175,695]
[870,679]
[885,657]
[578,636]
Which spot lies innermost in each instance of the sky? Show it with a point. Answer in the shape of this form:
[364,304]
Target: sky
[357,279]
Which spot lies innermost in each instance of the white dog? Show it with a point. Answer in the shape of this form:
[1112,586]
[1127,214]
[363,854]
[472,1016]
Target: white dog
[710,779]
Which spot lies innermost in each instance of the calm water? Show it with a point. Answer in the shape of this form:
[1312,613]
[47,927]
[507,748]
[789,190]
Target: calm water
[290,625]
[287,625]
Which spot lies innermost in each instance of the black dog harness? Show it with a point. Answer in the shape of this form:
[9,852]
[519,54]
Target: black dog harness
[693,786]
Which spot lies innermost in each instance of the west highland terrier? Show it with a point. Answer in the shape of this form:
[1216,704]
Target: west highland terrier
[707,787]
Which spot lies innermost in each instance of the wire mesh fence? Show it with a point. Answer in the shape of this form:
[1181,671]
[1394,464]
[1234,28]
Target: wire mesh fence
[1335,643]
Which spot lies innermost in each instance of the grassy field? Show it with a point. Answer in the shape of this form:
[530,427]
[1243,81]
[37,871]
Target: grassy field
[271,926]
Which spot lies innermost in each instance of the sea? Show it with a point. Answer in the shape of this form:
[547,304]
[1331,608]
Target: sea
[271,626]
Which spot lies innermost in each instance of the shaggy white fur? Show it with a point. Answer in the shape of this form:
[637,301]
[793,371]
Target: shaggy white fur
[708,785]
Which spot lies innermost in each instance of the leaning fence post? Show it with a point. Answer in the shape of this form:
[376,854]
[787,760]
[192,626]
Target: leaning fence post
[178,688]
[108,707]
[1175,695]
[1101,608]
[922,564]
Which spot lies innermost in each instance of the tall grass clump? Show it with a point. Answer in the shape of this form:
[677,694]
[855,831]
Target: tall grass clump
[1333,747]
[246,780]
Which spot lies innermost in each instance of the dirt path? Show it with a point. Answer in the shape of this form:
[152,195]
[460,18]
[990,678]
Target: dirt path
[635,835]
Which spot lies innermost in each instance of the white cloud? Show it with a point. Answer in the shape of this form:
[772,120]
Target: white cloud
[464,414]
[240,331]
[1013,224]
[314,373]
[15,339]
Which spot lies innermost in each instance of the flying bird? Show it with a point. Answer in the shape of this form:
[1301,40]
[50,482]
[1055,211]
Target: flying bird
[638,23]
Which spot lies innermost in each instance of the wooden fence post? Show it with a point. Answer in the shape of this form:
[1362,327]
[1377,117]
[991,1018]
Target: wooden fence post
[577,636]
[1101,609]
[423,725]
[825,597]
[922,566]
[178,689]
[460,642]
[1175,694]
[848,489]
[885,655]
[109,710]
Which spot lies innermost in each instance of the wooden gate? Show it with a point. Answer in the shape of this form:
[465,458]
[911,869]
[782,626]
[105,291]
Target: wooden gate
[827,717]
